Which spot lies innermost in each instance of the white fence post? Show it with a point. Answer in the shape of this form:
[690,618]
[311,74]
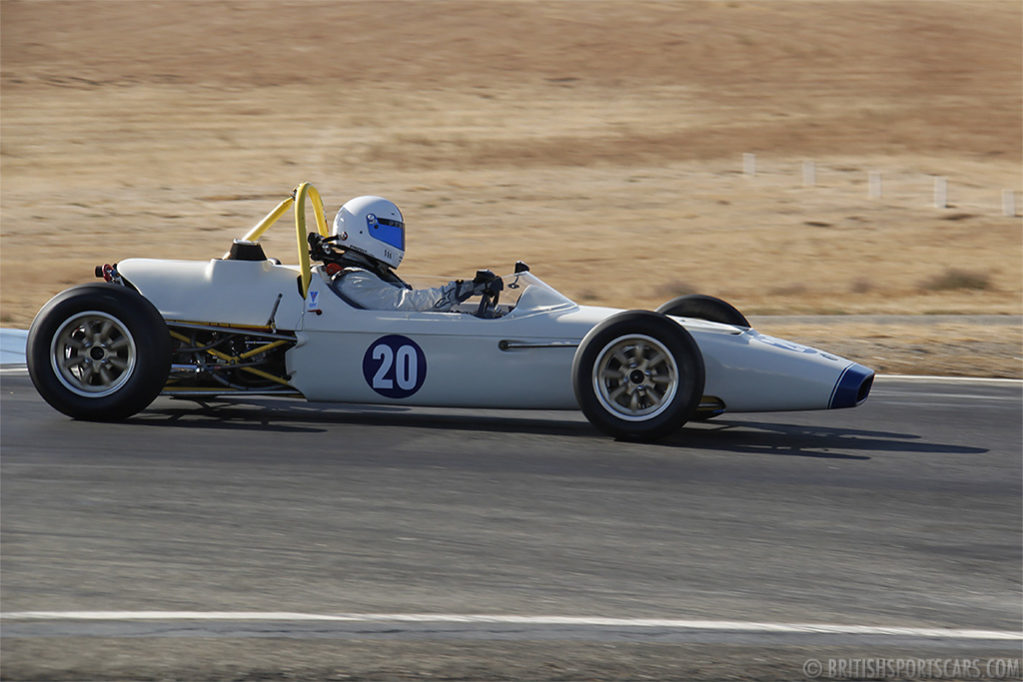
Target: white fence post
[809,174]
[874,190]
[940,192]
[875,185]
[1009,203]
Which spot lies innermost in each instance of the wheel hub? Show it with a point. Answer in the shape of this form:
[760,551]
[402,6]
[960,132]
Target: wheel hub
[93,354]
[635,377]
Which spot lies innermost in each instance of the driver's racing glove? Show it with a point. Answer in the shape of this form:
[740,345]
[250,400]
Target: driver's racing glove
[485,282]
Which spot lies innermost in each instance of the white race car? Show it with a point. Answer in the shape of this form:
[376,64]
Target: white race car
[245,325]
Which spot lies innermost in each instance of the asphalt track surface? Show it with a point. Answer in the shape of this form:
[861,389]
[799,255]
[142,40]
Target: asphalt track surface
[275,539]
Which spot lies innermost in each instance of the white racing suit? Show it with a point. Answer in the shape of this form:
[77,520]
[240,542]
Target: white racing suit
[365,289]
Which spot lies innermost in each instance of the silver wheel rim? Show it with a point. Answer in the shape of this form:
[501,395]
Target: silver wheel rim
[93,354]
[635,377]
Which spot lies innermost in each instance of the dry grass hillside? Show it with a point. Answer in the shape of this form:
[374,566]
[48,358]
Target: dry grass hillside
[599,141]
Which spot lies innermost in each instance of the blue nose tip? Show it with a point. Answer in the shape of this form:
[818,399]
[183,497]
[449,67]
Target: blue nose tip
[853,387]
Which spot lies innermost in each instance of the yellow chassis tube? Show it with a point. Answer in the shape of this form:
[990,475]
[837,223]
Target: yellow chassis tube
[234,359]
[298,199]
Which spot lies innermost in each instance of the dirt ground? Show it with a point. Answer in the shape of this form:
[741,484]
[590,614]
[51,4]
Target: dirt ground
[602,142]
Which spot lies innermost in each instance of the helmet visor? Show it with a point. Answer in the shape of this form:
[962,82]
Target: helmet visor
[391,232]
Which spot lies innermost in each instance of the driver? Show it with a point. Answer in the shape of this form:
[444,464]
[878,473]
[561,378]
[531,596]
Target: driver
[371,232]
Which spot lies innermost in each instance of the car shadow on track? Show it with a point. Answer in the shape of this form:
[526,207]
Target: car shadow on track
[297,416]
[806,441]
[719,435]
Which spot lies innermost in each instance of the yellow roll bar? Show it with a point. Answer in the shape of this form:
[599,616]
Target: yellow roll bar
[298,198]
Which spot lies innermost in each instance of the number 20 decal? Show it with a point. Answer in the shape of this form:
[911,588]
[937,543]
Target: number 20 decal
[394,366]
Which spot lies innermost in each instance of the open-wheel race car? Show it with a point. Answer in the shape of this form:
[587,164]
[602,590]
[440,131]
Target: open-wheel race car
[246,325]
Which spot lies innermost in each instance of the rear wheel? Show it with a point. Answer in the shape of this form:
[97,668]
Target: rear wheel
[99,352]
[638,376]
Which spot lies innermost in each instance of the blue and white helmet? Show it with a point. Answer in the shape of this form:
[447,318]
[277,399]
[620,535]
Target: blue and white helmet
[372,226]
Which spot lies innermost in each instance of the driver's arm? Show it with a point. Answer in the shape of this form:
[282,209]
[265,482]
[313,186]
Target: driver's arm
[370,292]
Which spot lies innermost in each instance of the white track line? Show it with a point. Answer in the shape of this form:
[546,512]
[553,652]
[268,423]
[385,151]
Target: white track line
[950,380]
[681,624]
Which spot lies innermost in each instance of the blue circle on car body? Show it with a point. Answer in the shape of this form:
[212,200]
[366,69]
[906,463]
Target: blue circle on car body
[394,366]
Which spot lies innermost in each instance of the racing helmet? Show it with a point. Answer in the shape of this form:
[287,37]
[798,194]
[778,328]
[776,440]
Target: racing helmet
[372,226]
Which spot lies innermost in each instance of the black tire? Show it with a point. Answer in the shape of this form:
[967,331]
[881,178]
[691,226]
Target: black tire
[99,352]
[644,401]
[704,307]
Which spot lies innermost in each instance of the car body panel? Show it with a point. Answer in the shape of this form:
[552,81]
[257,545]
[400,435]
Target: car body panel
[753,372]
[520,360]
[235,292]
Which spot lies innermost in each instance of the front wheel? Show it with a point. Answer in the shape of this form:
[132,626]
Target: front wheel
[638,376]
[704,307]
[98,352]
